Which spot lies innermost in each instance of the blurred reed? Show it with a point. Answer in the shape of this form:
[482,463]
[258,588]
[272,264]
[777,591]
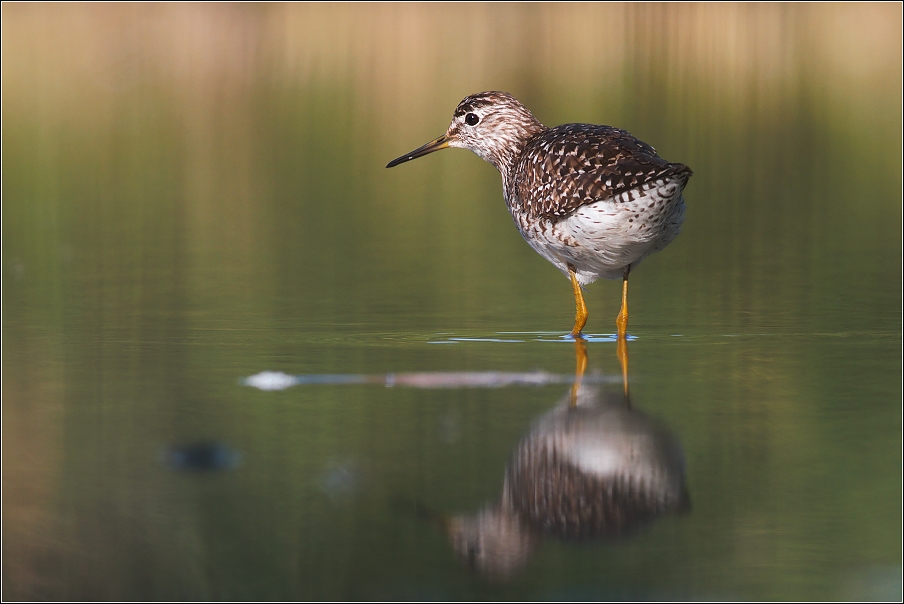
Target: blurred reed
[61,60]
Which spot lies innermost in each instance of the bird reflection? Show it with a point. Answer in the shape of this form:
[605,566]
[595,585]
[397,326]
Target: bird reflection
[592,467]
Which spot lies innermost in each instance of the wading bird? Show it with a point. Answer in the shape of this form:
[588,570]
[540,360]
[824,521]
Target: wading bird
[593,200]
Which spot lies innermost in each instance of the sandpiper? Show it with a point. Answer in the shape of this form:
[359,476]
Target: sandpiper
[593,200]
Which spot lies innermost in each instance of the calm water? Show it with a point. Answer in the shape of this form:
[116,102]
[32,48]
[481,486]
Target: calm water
[195,195]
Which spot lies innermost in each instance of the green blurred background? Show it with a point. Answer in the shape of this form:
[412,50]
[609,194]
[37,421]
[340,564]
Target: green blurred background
[195,193]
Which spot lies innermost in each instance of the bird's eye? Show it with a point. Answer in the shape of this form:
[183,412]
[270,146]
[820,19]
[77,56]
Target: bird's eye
[471,119]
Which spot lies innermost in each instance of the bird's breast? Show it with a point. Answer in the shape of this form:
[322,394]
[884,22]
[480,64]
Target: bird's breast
[600,238]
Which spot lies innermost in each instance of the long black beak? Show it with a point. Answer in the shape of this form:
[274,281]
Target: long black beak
[434,145]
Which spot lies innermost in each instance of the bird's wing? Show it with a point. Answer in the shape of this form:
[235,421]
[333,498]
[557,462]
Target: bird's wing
[578,164]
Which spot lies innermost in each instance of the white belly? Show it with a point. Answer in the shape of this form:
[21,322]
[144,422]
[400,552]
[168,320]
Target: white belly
[602,238]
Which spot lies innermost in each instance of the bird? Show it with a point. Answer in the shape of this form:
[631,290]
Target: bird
[592,199]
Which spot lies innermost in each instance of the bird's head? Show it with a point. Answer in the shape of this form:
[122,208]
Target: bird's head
[494,125]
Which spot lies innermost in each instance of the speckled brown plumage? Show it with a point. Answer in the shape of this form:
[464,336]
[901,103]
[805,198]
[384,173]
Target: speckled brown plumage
[569,166]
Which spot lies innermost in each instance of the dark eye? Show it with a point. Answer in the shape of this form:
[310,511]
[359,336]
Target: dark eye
[471,119]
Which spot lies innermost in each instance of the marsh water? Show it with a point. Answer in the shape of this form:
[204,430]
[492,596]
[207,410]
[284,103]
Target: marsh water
[196,195]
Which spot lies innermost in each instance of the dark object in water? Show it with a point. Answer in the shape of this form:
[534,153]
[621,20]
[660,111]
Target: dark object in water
[202,457]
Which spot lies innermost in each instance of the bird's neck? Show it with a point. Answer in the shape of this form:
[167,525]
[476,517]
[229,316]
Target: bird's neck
[509,144]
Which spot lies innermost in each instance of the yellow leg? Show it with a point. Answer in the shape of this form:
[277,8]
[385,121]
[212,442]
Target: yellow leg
[621,321]
[580,309]
[621,351]
[580,357]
